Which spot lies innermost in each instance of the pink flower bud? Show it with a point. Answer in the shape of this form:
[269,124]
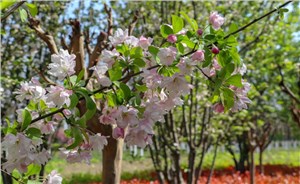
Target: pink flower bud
[198,56]
[218,108]
[215,50]
[172,38]
[199,32]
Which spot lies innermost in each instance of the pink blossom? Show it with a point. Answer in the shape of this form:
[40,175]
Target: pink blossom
[30,90]
[119,37]
[241,99]
[151,78]
[22,151]
[145,42]
[58,95]
[118,133]
[109,57]
[48,127]
[216,20]
[177,85]
[139,137]
[100,71]
[167,55]
[73,156]
[218,108]
[132,41]
[172,38]
[198,56]
[62,65]
[216,64]
[53,178]
[186,66]
[128,116]
[98,141]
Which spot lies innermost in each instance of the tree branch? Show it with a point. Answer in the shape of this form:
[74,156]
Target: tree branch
[45,36]
[77,46]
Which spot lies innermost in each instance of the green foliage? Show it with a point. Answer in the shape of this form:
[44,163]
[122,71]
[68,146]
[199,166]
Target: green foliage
[166,30]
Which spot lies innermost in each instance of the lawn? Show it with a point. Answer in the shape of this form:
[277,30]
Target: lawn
[139,167]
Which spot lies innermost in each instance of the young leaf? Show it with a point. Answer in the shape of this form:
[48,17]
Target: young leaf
[33,132]
[139,62]
[235,80]
[126,91]
[26,119]
[115,74]
[33,169]
[74,101]
[6,3]
[166,30]
[76,134]
[23,15]
[227,97]
[192,22]
[177,23]
[32,9]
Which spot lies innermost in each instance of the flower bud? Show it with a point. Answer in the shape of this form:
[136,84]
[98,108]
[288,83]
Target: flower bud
[198,56]
[215,50]
[199,32]
[172,38]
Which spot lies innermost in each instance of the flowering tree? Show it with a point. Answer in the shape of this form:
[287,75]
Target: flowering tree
[131,87]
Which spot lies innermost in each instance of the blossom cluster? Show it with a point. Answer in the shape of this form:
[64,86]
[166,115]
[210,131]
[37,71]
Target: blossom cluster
[130,106]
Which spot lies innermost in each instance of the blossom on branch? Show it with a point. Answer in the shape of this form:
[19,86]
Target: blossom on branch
[216,20]
[63,64]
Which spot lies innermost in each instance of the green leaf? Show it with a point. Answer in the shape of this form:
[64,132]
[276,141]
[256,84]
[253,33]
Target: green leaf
[180,47]
[235,56]
[139,62]
[33,132]
[32,9]
[23,15]
[153,50]
[90,106]
[26,119]
[227,98]
[74,100]
[126,91]
[33,169]
[136,52]
[233,27]
[166,30]
[192,22]
[42,105]
[177,23]
[141,88]
[6,3]
[115,73]
[76,134]
[235,80]
[73,79]
[80,75]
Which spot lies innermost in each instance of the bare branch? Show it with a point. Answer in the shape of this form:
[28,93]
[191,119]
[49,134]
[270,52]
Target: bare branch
[64,43]
[45,36]
[77,46]
[133,22]
[109,19]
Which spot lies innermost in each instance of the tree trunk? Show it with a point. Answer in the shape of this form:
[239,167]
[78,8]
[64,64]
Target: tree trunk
[213,163]
[191,166]
[112,159]
[178,179]
[252,167]
[7,179]
[198,170]
[261,166]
